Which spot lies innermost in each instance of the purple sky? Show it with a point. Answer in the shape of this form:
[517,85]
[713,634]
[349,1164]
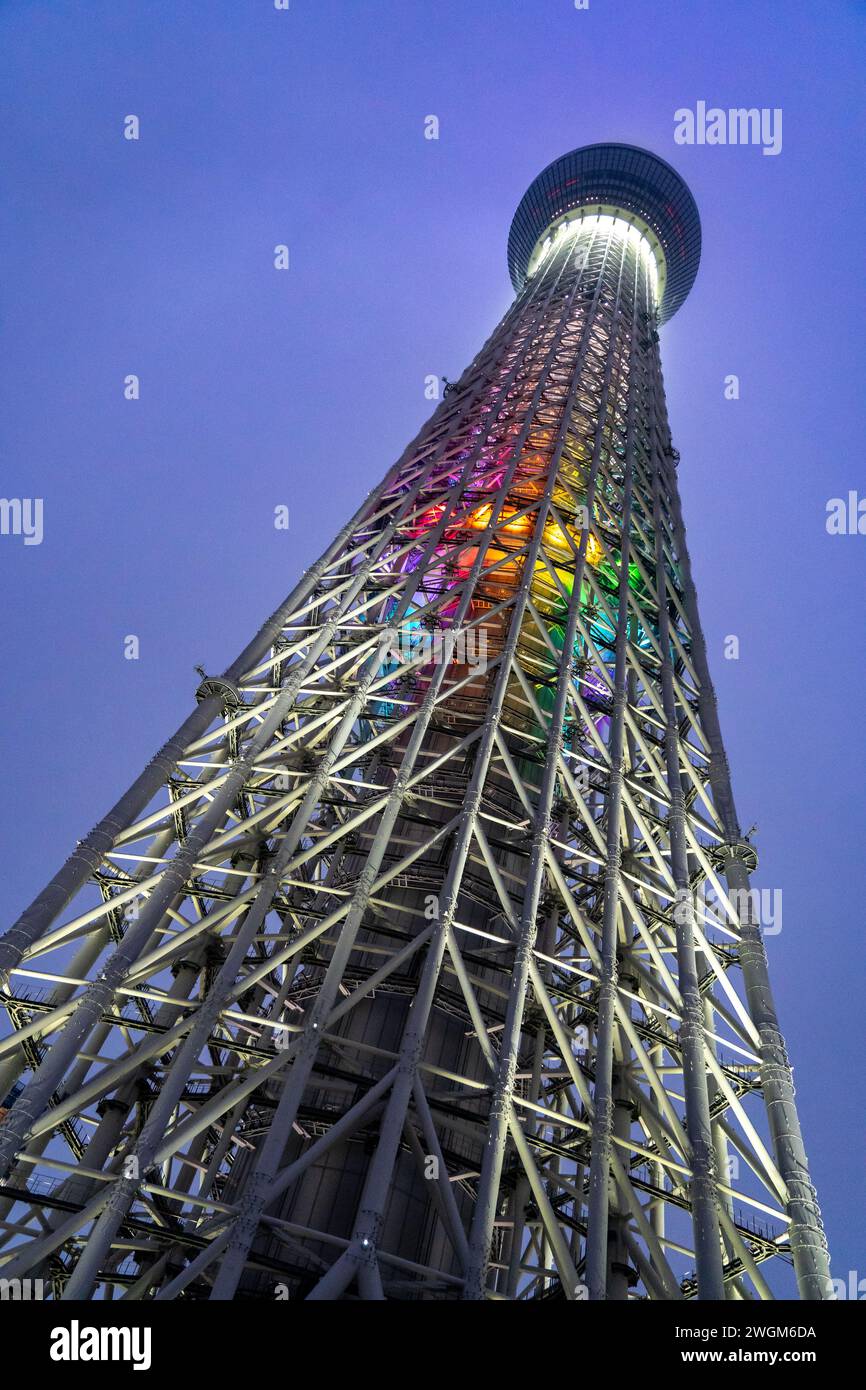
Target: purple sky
[257,388]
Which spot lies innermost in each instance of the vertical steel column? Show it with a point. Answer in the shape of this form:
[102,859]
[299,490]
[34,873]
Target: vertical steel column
[494,1150]
[603,1099]
[705,1221]
[808,1241]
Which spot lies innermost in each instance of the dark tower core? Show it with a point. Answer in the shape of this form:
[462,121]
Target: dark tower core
[422,961]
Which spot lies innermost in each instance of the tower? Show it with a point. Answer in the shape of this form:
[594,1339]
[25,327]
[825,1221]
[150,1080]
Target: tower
[422,961]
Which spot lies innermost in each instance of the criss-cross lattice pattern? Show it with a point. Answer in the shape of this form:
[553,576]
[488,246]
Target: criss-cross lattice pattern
[395,973]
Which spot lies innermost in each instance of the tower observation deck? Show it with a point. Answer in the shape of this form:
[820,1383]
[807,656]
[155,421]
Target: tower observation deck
[421,962]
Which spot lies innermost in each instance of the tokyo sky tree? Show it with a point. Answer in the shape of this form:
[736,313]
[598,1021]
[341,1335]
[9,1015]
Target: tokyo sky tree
[421,962]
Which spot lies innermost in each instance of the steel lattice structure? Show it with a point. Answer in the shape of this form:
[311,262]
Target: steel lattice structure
[393,974]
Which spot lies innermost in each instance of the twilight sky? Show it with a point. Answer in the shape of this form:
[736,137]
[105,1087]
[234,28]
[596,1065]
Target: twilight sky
[306,127]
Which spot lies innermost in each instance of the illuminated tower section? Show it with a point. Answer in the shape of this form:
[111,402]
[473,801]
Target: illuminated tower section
[421,962]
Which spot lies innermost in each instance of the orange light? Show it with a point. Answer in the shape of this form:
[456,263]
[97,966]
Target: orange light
[502,581]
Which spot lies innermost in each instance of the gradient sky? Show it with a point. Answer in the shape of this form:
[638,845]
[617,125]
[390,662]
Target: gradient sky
[258,388]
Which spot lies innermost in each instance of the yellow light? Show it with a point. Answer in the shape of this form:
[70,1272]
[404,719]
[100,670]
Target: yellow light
[557,539]
[480,518]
